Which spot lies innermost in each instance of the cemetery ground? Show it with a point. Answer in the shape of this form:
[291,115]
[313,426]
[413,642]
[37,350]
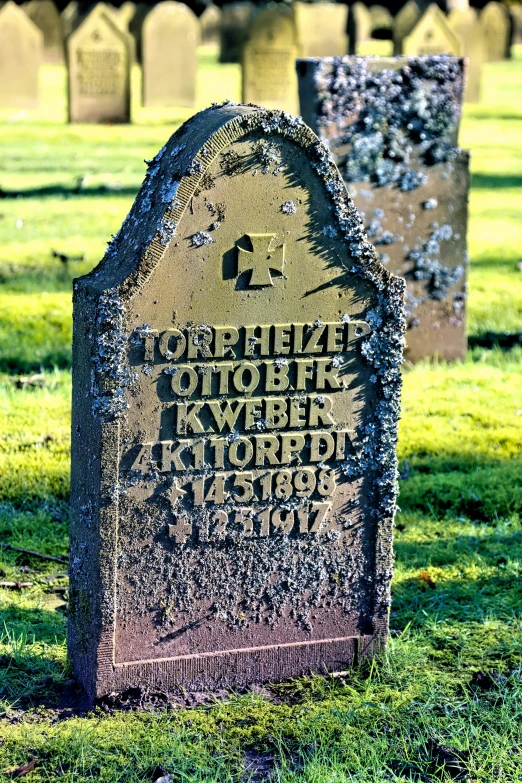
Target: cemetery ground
[445,699]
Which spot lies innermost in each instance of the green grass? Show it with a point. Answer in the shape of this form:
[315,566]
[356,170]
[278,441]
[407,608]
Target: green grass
[452,673]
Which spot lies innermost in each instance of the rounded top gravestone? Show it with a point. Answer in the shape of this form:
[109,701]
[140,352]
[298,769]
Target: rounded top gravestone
[236,395]
[210,21]
[45,16]
[21,49]
[496,25]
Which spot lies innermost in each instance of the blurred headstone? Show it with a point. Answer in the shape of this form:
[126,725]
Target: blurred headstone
[404,22]
[69,16]
[99,57]
[408,178]
[516,22]
[269,77]
[126,13]
[45,16]
[235,24]
[236,383]
[169,41]
[210,21]
[381,22]
[21,53]
[466,26]
[321,29]
[359,26]
[496,26]
[432,35]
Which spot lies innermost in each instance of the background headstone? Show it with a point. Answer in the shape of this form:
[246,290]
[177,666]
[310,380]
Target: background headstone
[516,23]
[496,26]
[126,13]
[381,22]
[170,37]
[359,26]
[235,24]
[46,17]
[321,29]
[69,17]
[404,22]
[269,76]
[205,519]
[210,21]
[466,26]
[99,57]
[408,177]
[432,35]
[21,52]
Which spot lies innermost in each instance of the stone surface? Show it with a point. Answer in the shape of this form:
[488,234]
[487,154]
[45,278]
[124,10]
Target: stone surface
[496,26]
[359,26]
[21,51]
[46,17]
[432,35]
[269,76]
[321,29]
[69,17]
[465,25]
[381,22]
[235,24]
[408,177]
[210,21]
[516,23]
[236,395]
[99,56]
[404,22]
[170,37]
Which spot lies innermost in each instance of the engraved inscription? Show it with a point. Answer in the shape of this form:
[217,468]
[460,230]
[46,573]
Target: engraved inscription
[100,71]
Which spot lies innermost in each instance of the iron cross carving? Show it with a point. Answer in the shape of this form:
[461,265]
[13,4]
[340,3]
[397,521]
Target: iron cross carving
[260,260]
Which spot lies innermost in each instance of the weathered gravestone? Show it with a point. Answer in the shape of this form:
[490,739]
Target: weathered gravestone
[359,26]
[21,49]
[466,26]
[404,23]
[407,176]
[496,25]
[170,37]
[98,55]
[381,22]
[235,24]
[210,21]
[46,17]
[236,395]
[321,29]
[269,77]
[432,35]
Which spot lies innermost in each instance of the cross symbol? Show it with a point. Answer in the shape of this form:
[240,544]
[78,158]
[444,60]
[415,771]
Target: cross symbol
[181,530]
[260,260]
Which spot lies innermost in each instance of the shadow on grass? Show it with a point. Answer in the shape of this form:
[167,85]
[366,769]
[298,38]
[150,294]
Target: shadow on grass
[492,181]
[74,191]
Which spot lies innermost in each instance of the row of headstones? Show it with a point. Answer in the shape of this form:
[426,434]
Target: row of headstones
[236,381]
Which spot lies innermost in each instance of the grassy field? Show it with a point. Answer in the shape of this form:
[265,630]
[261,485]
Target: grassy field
[445,702]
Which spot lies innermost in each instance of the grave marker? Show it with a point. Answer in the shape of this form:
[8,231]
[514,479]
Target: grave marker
[269,77]
[210,21]
[170,37]
[235,24]
[408,178]
[321,29]
[21,51]
[359,26]
[126,13]
[432,35]
[46,17]
[465,25]
[496,26]
[235,405]
[98,54]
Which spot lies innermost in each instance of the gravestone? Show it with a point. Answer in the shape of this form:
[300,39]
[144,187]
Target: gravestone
[169,42]
[496,26]
[466,26]
[46,17]
[269,77]
[69,17]
[126,13]
[404,23]
[21,51]
[236,381]
[98,55]
[321,29]
[210,21]
[235,24]
[516,23]
[408,178]
[432,35]
[381,22]
[359,26]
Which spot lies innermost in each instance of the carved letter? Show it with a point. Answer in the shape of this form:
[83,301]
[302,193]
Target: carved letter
[187,420]
[319,411]
[172,344]
[225,337]
[276,377]
[191,381]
